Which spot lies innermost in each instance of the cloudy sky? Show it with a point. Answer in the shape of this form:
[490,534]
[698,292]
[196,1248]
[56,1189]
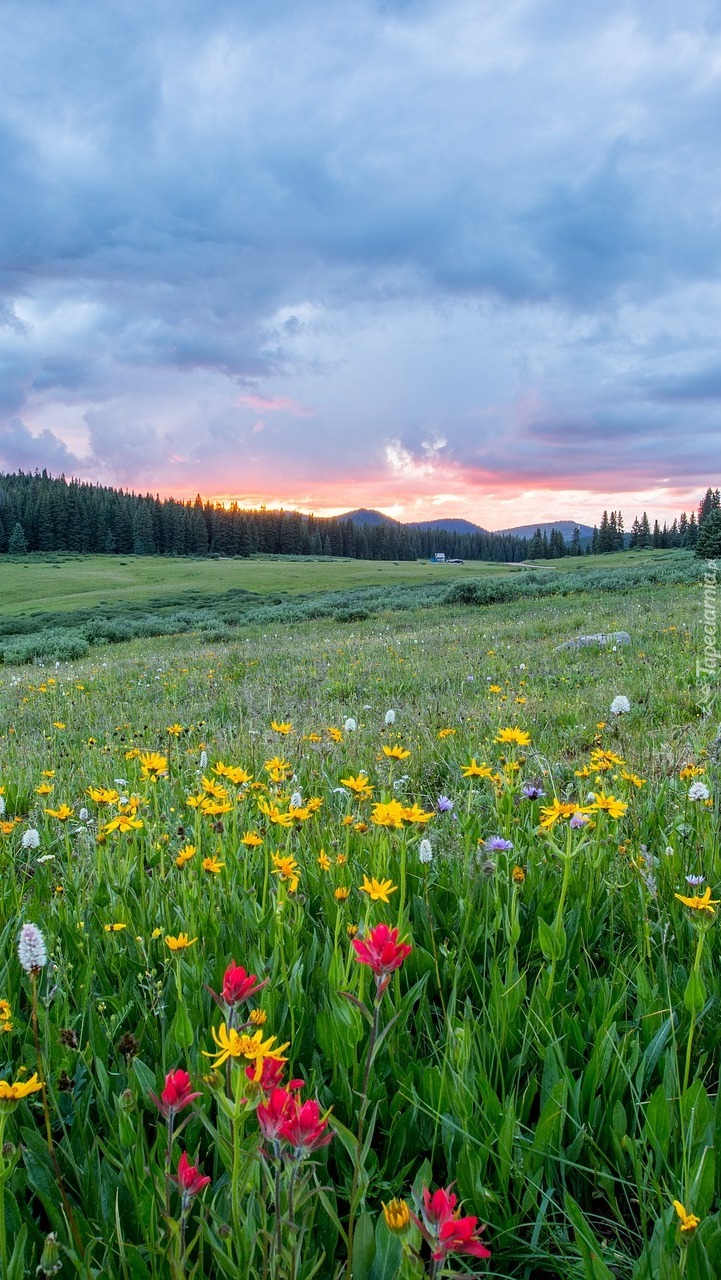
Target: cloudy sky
[433,256]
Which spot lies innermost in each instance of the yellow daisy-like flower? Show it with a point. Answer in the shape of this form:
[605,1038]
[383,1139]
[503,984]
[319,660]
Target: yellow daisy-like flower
[442,733]
[62,814]
[476,770]
[705,903]
[557,811]
[235,1044]
[122,823]
[11,1093]
[513,735]
[388,815]
[688,1222]
[603,760]
[360,786]
[633,779]
[185,854]
[175,730]
[335,735]
[396,753]
[288,870]
[180,943]
[103,795]
[213,866]
[59,724]
[341,893]
[115,928]
[5,1011]
[378,890]
[284,728]
[153,765]
[608,804]
[44,789]
[397,1216]
[274,814]
[416,814]
[518,875]
[212,788]
[251,839]
[278,765]
[324,861]
[258,1017]
[235,774]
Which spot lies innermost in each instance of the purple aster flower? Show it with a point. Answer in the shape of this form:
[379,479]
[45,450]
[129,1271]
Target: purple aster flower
[443,804]
[695,880]
[578,820]
[532,792]
[498,845]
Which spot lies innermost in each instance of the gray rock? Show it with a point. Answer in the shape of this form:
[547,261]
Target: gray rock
[581,642]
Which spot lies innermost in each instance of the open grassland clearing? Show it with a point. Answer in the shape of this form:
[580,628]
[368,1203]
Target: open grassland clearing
[542,1032]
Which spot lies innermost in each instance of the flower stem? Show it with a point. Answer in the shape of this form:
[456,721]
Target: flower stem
[361,1128]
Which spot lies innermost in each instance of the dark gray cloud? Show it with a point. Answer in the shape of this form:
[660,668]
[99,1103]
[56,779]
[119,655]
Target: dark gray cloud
[494,224]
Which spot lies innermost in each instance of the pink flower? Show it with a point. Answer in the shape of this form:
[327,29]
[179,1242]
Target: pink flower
[176,1095]
[304,1129]
[382,952]
[239,985]
[445,1230]
[460,1235]
[189,1178]
[273,1114]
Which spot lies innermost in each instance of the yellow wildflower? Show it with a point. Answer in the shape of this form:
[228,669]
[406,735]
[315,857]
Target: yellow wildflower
[185,854]
[378,890]
[688,1222]
[180,943]
[388,815]
[123,823]
[442,733]
[283,728]
[514,735]
[608,804]
[115,928]
[153,765]
[360,786]
[287,868]
[416,814]
[476,770]
[706,903]
[251,839]
[234,1044]
[213,866]
[397,1216]
[341,893]
[324,861]
[62,814]
[396,753]
[12,1093]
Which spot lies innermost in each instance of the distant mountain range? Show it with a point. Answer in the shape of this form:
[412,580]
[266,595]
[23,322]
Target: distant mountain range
[364,516]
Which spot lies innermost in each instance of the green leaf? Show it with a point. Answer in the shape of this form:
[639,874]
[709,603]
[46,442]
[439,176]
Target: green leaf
[552,940]
[16,1265]
[181,1030]
[364,1247]
[388,1253]
[694,997]
[594,1268]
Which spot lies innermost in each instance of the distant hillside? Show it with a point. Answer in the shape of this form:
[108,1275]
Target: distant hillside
[448,525]
[566,527]
[363,517]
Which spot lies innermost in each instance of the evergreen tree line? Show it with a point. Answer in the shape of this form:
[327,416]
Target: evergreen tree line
[39,512]
[683,532]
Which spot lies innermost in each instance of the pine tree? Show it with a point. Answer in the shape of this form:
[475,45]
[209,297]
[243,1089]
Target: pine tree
[18,543]
[708,546]
[535,546]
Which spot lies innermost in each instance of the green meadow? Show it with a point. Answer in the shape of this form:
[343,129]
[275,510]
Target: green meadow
[456,882]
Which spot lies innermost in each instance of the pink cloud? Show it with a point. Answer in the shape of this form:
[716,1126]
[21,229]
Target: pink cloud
[277,404]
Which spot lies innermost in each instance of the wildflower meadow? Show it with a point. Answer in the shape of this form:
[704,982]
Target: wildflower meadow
[367,949]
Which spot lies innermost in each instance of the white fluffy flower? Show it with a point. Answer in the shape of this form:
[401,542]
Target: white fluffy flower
[425,851]
[350,725]
[2,805]
[203,762]
[390,717]
[84,815]
[31,839]
[698,791]
[296,800]
[32,952]
[620,706]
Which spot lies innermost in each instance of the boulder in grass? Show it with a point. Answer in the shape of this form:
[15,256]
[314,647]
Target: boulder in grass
[582,642]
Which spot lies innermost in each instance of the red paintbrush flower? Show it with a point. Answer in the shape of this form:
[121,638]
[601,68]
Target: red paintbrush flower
[305,1129]
[189,1179]
[382,952]
[460,1235]
[239,985]
[176,1095]
[273,1114]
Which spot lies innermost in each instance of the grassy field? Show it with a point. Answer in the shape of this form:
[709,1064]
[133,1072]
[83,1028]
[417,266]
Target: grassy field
[31,583]
[546,1045]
